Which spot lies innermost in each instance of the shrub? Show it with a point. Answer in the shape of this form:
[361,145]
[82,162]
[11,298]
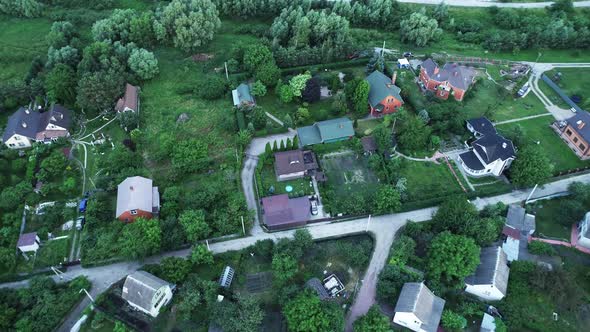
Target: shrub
[541,248]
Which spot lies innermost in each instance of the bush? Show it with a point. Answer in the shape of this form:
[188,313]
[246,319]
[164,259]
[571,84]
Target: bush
[541,248]
[213,87]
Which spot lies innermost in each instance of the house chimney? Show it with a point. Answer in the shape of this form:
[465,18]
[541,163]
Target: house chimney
[24,124]
[393,77]
[581,124]
[27,111]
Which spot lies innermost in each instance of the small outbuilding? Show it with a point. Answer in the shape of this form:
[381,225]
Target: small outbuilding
[226,277]
[28,242]
[146,292]
[130,100]
[403,63]
[242,96]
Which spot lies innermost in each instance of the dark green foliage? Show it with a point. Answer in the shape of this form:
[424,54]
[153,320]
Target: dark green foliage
[530,167]
[452,321]
[194,224]
[541,248]
[201,255]
[401,251]
[311,93]
[242,315]
[172,269]
[196,296]
[391,280]
[41,306]
[387,200]
[60,84]
[22,8]
[189,156]
[306,313]
[212,87]
[97,91]
[141,238]
[372,321]
[451,258]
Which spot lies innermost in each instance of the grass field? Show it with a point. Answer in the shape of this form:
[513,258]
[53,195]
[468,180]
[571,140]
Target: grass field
[552,95]
[574,81]
[301,187]
[428,180]
[347,171]
[548,214]
[558,152]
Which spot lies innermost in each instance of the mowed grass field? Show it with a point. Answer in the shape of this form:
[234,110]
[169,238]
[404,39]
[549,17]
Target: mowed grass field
[538,130]
[574,81]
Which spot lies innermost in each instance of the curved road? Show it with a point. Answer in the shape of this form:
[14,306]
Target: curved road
[480,3]
[383,228]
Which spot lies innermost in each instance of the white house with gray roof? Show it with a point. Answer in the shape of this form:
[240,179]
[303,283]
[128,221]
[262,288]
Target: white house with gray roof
[30,124]
[490,280]
[418,308]
[137,197]
[584,231]
[146,292]
[490,153]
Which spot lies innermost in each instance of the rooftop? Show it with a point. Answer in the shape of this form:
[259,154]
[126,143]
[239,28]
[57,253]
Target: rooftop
[492,270]
[381,87]
[282,210]
[418,299]
[27,239]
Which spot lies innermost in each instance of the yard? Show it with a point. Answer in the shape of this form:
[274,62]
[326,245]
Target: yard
[548,213]
[428,181]
[574,82]
[538,130]
[271,186]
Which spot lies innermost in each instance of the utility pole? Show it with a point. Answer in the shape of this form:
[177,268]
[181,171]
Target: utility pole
[226,74]
[243,227]
[57,272]
[383,49]
[207,242]
[368,222]
[531,194]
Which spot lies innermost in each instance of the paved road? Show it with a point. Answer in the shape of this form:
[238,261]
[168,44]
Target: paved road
[482,3]
[383,227]
[255,149]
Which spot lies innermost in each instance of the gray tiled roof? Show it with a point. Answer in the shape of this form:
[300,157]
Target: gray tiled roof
[381,88]
[581,119]
[418,299]
[492,270]
[141,287]
[482,125]
[519,219]
[27,239]
[282,210]
[29,123]
[458,76]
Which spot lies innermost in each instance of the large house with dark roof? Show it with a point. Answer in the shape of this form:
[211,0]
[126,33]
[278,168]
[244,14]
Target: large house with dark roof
[451,79]
[130,100]
[326,132]
[137,197]
[384,97]
[490,153]
[146,292]
[29,125]
[418,308]
[294,164]
[490,280]
[281,212]
[576,134]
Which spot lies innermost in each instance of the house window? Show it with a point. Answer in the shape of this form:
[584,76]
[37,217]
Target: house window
[568,132]
[21,144]
[133,212]
[11,145]
[582,147]
[575,140]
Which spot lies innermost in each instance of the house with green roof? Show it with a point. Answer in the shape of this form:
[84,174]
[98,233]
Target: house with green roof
[384,95]
[326,132]
[242,96]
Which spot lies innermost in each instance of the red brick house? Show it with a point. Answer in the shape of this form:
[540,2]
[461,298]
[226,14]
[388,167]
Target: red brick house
[451,79]
[577,134]
[384,97]
[137,197]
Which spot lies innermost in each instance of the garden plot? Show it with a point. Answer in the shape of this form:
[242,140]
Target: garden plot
[348,170]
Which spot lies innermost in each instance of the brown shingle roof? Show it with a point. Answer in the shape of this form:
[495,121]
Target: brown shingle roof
[129,99]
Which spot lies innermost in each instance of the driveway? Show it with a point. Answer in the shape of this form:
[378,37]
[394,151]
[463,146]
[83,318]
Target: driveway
[255,149]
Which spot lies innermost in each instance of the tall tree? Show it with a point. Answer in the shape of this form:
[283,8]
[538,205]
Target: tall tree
[190,23]
[141,238]
[372,321]
[387,199]
[307,313]
[419,29]
[143,63]
[361,98]
[97,91]
[451,258]
[194,224]
[530,167]
[243,315]
[60,84]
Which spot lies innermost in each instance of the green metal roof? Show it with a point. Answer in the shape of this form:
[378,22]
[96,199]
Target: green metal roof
[242,95]
[325,131]
[381,88]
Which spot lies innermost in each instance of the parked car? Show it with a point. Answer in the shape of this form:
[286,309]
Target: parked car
[80,223]
[314,207]
[82,205]
[408,54]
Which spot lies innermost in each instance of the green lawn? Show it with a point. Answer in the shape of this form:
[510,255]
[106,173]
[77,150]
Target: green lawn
[20,41]
[574,81]
[548,214]
[428,180]
[365,127]
[301,187]
[558,152]
[52,253]
[552,95]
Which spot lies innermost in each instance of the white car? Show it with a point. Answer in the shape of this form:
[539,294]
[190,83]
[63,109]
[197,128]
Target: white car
[314,207]
[79,223]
